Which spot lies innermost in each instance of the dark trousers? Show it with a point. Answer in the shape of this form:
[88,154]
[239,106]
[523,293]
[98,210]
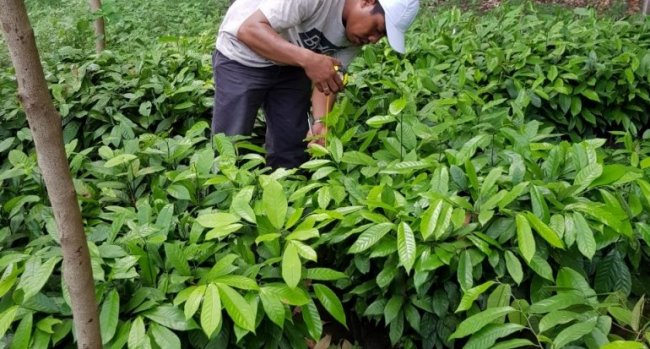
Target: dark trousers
[284,93]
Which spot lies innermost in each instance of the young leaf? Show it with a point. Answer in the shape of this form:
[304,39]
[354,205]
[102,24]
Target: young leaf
[330,302]
[274,203]
[137,334]
[525,238]
[623,345]
[430,219]
[291,266]
[557,302]
[292,296]
[472,294]
[194,301]
[35,276]
[477,321]
[312,320]
[514,267]
[109,315]
[211,310]
[165,338]
[241,204]
[217,220]
[370,237]
[406,246]
[23,333]
[500,297]
[545,231]
[486,337]
[584,236]
[555,318]
[514,343]
[241,313]
[393,308]
[324,274]
[637,311]
[273,307]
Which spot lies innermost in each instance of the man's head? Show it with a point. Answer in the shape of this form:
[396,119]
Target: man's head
[367,21]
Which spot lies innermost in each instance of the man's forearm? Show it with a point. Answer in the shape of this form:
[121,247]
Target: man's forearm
[260,37]
[321,104]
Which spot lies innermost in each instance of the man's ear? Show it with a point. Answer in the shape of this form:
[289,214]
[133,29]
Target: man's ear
[366,3]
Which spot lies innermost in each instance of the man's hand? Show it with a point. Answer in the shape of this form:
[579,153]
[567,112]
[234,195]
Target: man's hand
[320,70]
[317,134]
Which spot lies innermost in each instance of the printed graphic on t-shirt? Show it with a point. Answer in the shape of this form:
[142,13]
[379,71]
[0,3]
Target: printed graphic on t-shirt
[314,40]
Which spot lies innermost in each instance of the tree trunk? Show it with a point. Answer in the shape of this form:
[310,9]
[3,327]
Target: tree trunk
[45,124]
[100,34]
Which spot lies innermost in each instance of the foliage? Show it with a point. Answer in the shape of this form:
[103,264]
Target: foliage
[446,207]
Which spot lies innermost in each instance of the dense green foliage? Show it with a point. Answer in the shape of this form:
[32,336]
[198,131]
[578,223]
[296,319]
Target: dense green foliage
[462,198]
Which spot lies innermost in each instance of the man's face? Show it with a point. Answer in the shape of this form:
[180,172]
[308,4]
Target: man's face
[363,26]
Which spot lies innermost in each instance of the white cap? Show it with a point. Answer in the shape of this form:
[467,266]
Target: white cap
[400,14]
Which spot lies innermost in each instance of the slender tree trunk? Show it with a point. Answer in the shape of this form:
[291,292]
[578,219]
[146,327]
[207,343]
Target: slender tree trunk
[100,34]
[45,124]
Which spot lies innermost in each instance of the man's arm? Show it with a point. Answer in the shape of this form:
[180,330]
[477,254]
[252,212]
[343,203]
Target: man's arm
[320,106]
[258,34]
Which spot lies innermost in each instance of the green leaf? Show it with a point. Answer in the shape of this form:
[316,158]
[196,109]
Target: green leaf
[477,321]
[397,106]
[514,343]
[179,191]
[525,239]
[472,294]
[486,337]
[465,271]
[120,160]
[23,333]
[305,251]
[430,219]
[591,94]
[324,274]
[587,175]
[406,246]
[193,302]
[513,194]
[584,236]
[273,307]
[540,266]
[292,296]
[574,332]
[612,274]
[137,334]
[171,317]
[291,266]
[242,314]
[109,316]
[514,267]
[312,320]
[393,308]
[241,204]
[274,203]
[211,311]
[330,302]
[557,302]
[237,281]
[637,312]
[370,237]
[217,220]
[177,259]
[555,318]
[6,318]
[540,209]
[545,231]
[36,275]
[500,297]
[165,338]
[623,345]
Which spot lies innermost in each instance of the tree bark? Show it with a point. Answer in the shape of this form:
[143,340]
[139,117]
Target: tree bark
[45,124]
[100,34]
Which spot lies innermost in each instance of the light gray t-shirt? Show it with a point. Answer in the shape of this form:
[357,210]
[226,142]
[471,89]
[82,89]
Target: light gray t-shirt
[313,24]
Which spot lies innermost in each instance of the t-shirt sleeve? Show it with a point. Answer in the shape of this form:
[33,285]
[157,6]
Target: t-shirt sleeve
[346,55]
[284,14]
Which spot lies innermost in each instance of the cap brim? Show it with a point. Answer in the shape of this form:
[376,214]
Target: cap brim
[395,37]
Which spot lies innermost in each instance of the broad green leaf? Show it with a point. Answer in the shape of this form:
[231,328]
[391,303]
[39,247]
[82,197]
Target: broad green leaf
[513,194]
[370,237]
[36,275]
[291,266]
[545,231]
[242,314]
[430,219]
[324,274]
[177,259]
[574,332]
[273,307]
[476,322]
[471,174]
[557,302]
[303,234]
[587,175]
[120,160]
[540,209]
[406,246]
[591,94]
[109,316]
[525,239]
[486,337]
[472,294]
[330,302]
[194,301]
[637,312]
[165,338]
[237,281]
[500,297]
[23,333]
[555,318]
[513,343]
[241,204]
[613,274]
[211,310]
[137,334]
[540,266]
[305,251]
[599,213]
[465,271]
[514,267]
[170,317]
[6,318]
[292,296]
[312,320]
[584,236]
[623,345]
[179,191]
[392,309]
[217,220]
[274,203]
[397,106]
[444,220]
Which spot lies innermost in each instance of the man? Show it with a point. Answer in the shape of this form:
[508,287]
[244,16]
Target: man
[269,54]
